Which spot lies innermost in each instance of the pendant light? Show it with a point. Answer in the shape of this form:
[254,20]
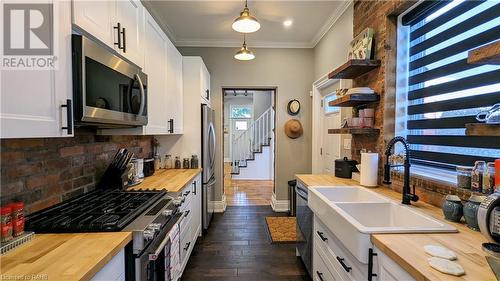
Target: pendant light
[246,23]
[244,53]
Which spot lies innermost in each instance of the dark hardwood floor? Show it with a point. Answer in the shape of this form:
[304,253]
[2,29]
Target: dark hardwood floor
[238,247]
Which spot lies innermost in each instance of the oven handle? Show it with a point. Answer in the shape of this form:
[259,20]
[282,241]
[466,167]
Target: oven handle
[143,95]
[154,256]
[300,192]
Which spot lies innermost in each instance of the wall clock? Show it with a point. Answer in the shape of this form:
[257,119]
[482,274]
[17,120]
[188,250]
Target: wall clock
[293,107]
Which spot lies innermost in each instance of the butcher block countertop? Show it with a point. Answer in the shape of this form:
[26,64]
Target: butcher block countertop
[74,256]
[171,180]
[407,250]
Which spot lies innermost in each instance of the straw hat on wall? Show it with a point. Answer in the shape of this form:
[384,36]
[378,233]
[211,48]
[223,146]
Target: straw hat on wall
[293,128]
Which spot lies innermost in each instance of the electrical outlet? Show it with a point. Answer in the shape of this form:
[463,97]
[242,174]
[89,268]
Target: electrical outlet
[347,143]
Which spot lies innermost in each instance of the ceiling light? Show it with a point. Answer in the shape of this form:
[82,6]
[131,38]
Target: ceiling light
[246,23]
[288,23]
[244,53]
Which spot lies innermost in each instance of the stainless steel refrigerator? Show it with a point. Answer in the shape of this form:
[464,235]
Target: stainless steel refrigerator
[207,163]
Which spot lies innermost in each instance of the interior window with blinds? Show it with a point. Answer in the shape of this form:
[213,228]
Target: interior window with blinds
[444,91]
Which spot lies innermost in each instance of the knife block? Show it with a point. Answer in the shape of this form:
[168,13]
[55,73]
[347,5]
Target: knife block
[113,178]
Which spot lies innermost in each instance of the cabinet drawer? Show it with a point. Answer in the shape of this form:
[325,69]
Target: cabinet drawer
[186,240]
[322,271]
[343,261]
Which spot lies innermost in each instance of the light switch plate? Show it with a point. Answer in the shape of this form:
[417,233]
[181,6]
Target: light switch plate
[347,143]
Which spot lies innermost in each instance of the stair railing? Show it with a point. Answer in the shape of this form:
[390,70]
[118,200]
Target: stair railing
[251,140]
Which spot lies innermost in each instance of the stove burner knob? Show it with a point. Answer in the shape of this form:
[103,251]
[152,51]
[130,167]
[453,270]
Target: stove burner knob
[148,235]
[167,212]
[154,227]
[178,202]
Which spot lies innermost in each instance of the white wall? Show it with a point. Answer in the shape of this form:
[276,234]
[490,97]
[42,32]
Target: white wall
[262,100]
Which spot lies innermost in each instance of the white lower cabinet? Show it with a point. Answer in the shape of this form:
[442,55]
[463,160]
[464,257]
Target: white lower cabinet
[190,226]
[114,270]
[335,262]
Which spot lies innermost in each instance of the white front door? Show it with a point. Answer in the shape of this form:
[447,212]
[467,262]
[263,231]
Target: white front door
[330,144]
[238,127]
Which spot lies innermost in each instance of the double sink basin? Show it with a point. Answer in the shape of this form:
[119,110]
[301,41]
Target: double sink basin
[353,213]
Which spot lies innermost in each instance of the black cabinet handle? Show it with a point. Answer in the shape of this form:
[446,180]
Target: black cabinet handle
[341,261]
[118,28]
[69,116]
[171,124]
[187,193]
[124,40]
[194,187]
[187,213]
[371,254]
[208,94]
[320,234]
[320,275]
[187,246]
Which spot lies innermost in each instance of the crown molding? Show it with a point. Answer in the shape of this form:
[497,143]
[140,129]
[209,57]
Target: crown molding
[334,17]
[237,44]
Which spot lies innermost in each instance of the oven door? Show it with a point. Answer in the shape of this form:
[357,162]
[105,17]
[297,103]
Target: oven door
[109,91]
[153,264]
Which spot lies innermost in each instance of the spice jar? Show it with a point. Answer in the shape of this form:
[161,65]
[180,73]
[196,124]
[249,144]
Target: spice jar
[6,223]
[194,162]
[177,162]
[464,175]
[17,218]
[477,176]
[185,163]
[168,162]
[489,178]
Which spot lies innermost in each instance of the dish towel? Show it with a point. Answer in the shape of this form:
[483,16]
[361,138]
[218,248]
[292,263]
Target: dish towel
[175,260]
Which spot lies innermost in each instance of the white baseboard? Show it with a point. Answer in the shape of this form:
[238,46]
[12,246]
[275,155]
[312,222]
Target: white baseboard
[279,205]
[220,206]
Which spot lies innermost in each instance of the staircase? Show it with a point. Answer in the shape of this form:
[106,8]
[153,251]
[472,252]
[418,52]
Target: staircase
[252,141]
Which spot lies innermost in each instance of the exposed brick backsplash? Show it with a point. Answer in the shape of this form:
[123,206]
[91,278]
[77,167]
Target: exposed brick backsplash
[380,15]
[42,172]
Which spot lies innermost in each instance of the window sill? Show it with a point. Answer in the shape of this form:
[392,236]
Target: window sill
[432,174]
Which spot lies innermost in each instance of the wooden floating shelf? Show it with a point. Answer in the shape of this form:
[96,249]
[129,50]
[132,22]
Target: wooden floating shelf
[355,131]
[489,54]
[353,69]
[481,129]
[354,100]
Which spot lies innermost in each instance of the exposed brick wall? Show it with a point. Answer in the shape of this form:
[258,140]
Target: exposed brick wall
[381,16]
[42,172]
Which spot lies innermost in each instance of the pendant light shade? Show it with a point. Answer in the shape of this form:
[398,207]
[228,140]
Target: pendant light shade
[246,23]
[244,53]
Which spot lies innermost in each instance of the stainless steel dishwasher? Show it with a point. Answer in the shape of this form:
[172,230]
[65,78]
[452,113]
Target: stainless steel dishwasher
[304,227]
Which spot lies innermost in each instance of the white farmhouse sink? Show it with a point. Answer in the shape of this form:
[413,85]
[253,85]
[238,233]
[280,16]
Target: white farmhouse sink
[352,216]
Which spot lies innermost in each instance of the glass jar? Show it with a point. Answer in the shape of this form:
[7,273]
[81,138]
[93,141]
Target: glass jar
[489,178]
[194,162]
[477,176]
[464,176]
[17,218]
[177,162]
[6,223]
[185,163]
[168,162]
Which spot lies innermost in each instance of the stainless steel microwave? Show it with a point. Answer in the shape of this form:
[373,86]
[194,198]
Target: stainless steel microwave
[108,91]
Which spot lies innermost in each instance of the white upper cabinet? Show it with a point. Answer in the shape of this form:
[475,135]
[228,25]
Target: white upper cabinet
[129,13]
[155,66]
[205,83]
[96,18]
[31,100]
[174,89]
[118,24]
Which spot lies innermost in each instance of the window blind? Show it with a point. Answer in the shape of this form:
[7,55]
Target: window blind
[444,91]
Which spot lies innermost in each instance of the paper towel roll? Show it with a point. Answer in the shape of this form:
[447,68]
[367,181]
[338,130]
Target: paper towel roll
[369,169]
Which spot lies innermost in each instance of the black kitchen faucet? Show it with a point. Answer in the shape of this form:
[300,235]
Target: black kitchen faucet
[408,196]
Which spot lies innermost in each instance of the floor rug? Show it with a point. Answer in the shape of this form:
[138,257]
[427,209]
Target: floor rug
[282,229]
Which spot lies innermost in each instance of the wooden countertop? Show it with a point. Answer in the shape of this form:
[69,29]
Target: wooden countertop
[75,256]
[407,249]
[171,180]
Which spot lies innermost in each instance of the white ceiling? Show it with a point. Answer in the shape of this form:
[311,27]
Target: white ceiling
[208,23]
